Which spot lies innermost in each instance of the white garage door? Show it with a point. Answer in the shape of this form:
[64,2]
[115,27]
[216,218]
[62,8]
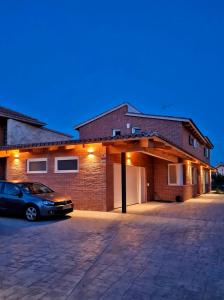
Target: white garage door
[135,181]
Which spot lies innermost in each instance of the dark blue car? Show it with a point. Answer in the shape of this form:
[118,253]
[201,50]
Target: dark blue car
[32,200]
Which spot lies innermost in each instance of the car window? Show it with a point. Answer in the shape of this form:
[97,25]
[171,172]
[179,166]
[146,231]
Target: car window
[11,189]
[35,188]
[1,184]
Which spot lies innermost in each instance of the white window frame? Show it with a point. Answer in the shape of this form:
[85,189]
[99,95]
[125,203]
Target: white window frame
[114,131]
[65,158]
[196,144]
[35,160]
[179,174]
[206,152]
[134,128]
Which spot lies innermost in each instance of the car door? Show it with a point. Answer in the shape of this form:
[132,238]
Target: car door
[11,198]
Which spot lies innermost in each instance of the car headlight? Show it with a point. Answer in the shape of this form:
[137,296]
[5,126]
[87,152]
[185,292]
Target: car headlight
[48,203]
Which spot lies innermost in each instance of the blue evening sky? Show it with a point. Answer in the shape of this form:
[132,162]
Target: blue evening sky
[65,61]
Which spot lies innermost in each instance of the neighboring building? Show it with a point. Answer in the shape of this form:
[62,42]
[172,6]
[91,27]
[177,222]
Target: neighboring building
[220,169]
[165,158]
[17,128]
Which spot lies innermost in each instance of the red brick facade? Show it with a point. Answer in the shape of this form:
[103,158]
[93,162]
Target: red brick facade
[174,131]
[87,188]
[92,187]
[103,126]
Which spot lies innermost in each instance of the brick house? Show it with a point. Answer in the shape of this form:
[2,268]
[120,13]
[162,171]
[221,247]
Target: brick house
[220,169]
[122,157]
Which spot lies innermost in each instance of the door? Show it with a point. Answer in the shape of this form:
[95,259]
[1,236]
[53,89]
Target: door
[10,198]
[135,185]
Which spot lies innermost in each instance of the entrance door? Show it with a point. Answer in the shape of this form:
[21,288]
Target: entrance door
[2,168]
[135,184]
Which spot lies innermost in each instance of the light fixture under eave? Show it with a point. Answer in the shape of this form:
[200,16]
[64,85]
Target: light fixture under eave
[16,155]
[128,155]
[90,152]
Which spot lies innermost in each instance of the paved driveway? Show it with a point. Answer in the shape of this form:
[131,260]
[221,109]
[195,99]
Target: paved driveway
[156,251]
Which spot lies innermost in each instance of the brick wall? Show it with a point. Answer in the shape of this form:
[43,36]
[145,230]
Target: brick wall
[174,131]
[87,188]
[92,187]
[198,152]
[163,191]
[103,126]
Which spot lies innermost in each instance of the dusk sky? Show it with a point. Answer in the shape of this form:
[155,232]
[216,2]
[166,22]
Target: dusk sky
[66,61]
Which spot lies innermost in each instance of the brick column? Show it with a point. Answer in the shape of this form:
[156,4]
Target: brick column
[187,172]
[210,181]
[199,170]
[187,187]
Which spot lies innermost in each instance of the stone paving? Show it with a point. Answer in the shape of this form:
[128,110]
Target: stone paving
[155,251]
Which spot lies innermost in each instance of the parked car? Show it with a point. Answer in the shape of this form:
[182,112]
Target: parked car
[32,200]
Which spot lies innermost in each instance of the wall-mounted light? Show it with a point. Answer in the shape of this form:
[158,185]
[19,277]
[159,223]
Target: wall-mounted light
[128,159]
[16,154]
[90,152]
[128,155]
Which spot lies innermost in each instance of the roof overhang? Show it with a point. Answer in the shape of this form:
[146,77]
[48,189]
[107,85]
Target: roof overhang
[130,109]
[107,141]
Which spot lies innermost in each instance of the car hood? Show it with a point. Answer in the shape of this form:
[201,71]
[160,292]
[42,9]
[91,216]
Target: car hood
[55,197]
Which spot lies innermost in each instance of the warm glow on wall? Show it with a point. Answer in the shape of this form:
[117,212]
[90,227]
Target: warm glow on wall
[90,152]
[128,155]
[16,154]
[128,160]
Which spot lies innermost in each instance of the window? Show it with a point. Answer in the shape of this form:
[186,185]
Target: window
[206,152]
[175,174]
[136,130]
[37,165]
[66,164]
[11,189]
[196,144]
[116,132]
[34,188]
[191,140]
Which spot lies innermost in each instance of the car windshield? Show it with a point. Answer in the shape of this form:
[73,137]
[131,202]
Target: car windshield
[35,188]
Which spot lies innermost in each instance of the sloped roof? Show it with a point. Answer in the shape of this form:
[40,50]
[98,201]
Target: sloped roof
[131,109]
[11,114]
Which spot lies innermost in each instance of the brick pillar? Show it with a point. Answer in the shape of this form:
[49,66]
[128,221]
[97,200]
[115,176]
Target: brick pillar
[199,171]
[187,187]
[187,172]
[210,181]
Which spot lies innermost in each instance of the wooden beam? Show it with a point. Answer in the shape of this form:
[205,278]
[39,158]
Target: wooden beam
[161,155]
[119,149]
[4,154]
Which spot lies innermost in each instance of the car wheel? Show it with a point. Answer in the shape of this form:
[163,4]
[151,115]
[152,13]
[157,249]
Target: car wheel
[31,213]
